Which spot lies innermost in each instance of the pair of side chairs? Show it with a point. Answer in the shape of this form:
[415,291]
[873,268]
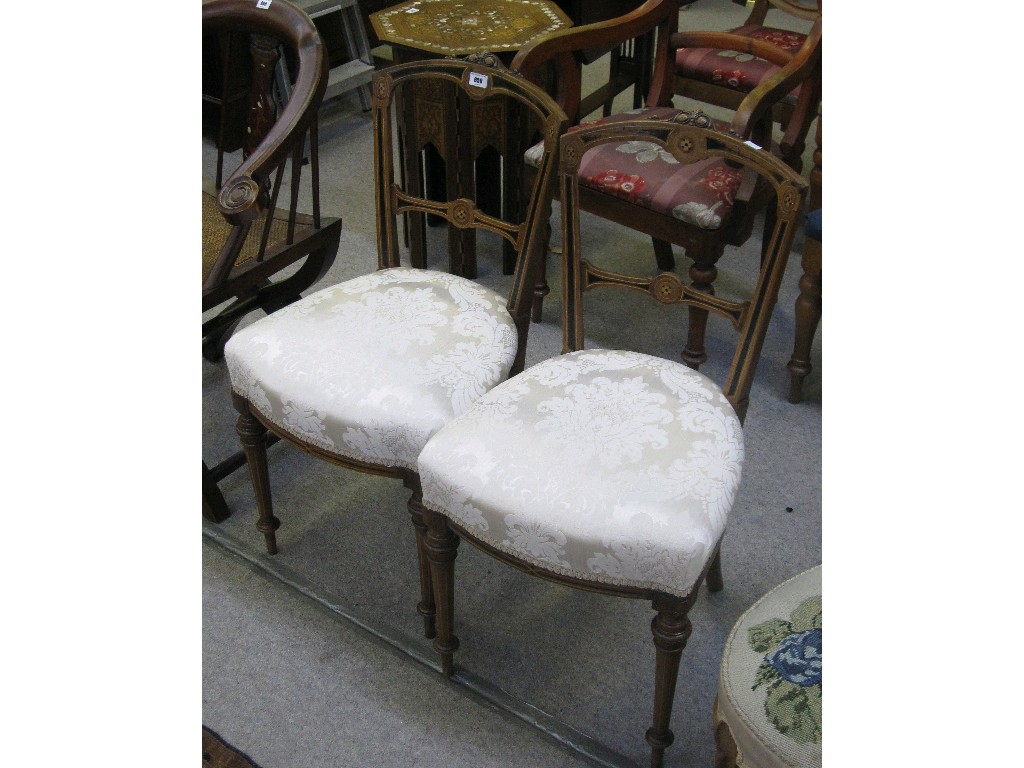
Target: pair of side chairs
[606,470]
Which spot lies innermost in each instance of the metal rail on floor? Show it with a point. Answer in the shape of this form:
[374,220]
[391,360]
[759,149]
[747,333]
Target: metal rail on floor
[478,688]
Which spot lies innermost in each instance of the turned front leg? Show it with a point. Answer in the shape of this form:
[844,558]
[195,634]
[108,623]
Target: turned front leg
[442,549]
[426,605]
[253,435]
[671,629]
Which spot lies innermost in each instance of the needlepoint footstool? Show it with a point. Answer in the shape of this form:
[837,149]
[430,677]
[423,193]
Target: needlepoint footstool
[768,710]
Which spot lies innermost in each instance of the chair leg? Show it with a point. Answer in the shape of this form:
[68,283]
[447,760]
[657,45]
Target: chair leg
[808,315]
[217,337]
[541,287]
[442,548]
[253,435]
[703,276]
[540,290]
[726,753]
[663,256]
[215,508]
[671,629]
[714,578]
[426,605]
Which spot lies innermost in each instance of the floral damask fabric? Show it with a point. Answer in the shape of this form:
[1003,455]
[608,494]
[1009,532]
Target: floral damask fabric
[612,466]
[734,69]
[642,172]
[371,368]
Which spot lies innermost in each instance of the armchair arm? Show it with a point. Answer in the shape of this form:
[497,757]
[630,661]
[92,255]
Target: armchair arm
[240,200]
[562,46]
[757,104]
[727,41]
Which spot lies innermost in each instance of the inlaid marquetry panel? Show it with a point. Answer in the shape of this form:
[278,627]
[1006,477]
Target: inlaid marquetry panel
[457,28]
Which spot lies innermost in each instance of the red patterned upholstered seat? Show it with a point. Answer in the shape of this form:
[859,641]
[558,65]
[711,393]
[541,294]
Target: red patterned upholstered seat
[701,194]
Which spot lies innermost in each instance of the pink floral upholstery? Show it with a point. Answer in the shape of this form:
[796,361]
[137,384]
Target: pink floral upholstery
[701,194]
[733,69]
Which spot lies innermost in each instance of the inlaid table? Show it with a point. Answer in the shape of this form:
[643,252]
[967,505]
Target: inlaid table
[459,28]
[420,29]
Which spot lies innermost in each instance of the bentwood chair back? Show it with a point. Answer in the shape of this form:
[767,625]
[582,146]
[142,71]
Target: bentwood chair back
[260,250]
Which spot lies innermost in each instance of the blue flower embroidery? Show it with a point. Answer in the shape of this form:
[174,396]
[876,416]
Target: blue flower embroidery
[790,671]
[798,658]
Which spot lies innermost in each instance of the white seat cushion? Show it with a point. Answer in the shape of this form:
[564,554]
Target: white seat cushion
[370,368]
[615,467]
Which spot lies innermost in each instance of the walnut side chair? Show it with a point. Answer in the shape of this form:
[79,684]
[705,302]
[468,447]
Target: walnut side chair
[250,235]
[615,470]
[362,373]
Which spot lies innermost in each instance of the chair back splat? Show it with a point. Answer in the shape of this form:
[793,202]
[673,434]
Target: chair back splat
[439,113]
[612,470]
[731,162]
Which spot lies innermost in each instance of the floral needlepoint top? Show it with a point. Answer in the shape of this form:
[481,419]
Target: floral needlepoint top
[791,671]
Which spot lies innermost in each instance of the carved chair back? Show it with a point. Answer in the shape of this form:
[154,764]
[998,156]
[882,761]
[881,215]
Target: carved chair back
[733,163]
[459,110]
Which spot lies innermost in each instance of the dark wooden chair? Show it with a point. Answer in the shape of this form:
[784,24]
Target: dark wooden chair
[723,76]
[249,234]
[807,310]
[362,373]
[647,192]
[607,470]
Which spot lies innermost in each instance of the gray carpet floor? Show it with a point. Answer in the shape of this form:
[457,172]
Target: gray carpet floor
[315,657]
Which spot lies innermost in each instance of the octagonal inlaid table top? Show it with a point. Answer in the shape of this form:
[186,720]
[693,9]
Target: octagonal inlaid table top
[458,27]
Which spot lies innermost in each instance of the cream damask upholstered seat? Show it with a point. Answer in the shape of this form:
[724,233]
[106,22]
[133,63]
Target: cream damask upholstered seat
[616,466]
[447,341]
[363,373]
[609,470]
